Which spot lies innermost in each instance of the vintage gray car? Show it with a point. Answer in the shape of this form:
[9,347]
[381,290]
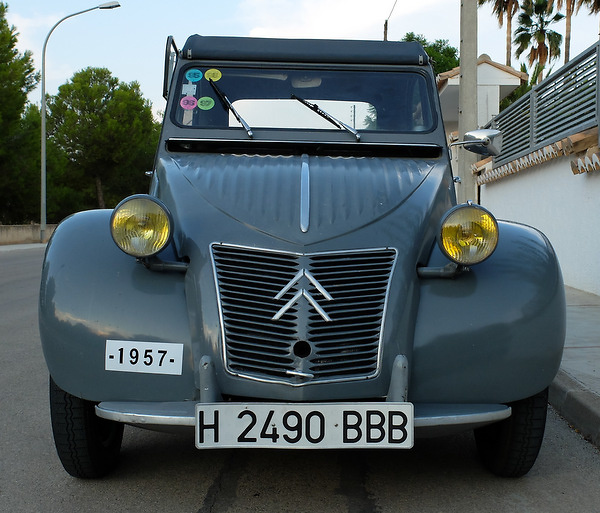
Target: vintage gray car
[299,274]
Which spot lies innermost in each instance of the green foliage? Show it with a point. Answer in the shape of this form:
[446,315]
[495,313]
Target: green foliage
[443,56]
[592,5]
[504,9]
[107,130]
[20,189]
[20,181]
[523,89]
[534,33]
[102,137]
[17,79]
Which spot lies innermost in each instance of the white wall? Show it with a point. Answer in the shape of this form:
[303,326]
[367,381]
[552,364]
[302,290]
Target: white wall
[566,207]
[23,233]
[488,101]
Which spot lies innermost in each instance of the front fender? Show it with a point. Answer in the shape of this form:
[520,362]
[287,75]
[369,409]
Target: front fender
[495,333]
[90,292]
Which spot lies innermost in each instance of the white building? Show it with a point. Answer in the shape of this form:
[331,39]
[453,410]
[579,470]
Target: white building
[494,82]
[552,181]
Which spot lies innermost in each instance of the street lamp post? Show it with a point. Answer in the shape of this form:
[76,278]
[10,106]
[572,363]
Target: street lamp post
[107,5]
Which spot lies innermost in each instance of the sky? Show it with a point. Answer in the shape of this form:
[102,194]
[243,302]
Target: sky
[130,40]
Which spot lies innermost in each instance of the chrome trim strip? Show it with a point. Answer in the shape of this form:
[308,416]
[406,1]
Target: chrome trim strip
[297,253]
[320,381]
[305,195]
[300,374]
[435,415]
[183,413]
[147,413]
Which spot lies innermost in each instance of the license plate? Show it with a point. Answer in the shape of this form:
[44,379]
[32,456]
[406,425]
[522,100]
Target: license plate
[304,426]
[144,357]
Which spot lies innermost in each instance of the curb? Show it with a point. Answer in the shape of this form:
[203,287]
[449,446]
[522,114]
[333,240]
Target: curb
[577,404]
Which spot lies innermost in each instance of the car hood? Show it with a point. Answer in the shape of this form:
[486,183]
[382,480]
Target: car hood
[300,199]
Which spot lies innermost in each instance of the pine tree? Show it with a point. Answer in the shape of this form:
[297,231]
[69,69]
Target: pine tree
[17,79]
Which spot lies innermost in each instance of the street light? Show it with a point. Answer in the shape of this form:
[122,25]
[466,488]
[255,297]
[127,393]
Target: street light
[107,5]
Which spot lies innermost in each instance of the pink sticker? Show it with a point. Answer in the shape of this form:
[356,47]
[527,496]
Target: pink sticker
[188,102]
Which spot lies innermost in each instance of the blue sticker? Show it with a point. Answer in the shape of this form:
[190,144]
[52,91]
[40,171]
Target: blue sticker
[193,75]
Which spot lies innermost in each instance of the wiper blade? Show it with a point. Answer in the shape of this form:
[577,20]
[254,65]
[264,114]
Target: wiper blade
[334,121]
[227,105]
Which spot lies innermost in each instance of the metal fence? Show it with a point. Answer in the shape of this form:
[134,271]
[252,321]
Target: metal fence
[566,102]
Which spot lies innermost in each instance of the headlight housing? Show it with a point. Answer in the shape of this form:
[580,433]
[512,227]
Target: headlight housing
[141,225]
[468,234]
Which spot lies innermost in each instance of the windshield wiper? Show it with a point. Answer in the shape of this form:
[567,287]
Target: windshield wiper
[334,121]
[227,105]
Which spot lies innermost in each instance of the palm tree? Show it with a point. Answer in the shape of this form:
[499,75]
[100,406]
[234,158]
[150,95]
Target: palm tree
[569,7]
[503,8]
[533,32]
[592,5]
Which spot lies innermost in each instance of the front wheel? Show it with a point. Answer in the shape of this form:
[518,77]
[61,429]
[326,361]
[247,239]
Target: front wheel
[87,445]
[510,447]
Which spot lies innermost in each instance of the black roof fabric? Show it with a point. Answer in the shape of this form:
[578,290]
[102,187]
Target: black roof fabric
[303,50]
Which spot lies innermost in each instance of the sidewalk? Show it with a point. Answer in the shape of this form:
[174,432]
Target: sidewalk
[575,392]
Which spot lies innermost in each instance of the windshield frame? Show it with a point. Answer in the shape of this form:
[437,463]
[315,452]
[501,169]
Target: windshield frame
[422,79]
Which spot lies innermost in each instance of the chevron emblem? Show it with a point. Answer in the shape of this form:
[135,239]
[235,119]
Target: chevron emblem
[303,293]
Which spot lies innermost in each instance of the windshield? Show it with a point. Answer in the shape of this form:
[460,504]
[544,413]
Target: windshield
[386,101]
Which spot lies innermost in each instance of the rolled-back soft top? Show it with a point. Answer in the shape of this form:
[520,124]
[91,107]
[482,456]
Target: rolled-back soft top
[333,51]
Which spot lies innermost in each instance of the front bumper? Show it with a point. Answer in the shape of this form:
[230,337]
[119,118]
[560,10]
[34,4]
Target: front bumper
[429,419]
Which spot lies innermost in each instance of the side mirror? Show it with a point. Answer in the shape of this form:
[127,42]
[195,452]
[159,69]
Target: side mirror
[485,141]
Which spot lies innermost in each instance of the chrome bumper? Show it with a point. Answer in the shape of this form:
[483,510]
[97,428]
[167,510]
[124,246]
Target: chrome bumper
[430,419]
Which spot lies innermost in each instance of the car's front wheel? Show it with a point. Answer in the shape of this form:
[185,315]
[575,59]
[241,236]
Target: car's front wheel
[509,448]
[87,445]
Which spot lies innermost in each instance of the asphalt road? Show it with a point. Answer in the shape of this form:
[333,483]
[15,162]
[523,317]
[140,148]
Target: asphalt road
[163,473]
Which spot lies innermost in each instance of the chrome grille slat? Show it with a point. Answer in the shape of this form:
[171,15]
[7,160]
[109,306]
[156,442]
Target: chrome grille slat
[265,359]
[354,360]
[330,342]
[343,332]
[264,337]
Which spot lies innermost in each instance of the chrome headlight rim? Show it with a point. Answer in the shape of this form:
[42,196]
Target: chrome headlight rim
[161,206]
[453,211]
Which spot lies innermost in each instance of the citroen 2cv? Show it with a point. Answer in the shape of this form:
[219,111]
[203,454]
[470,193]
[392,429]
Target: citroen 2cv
[299,274]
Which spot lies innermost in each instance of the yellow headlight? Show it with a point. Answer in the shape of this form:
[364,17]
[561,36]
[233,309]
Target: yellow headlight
[140,226]
[469,234]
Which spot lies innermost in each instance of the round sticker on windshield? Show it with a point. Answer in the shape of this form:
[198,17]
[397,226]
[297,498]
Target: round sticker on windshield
[213,74]
[206,103]
[193,75]
[188,102]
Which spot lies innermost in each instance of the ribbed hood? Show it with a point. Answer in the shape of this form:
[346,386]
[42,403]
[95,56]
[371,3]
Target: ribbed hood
[301,199]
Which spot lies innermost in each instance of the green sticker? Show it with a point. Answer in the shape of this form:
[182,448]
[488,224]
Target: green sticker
[206,103]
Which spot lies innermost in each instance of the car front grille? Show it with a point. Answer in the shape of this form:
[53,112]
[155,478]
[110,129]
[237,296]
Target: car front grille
[302,318]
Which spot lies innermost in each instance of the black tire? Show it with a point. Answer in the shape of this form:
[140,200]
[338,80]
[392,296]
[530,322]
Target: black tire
[88,446]
[509,448]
